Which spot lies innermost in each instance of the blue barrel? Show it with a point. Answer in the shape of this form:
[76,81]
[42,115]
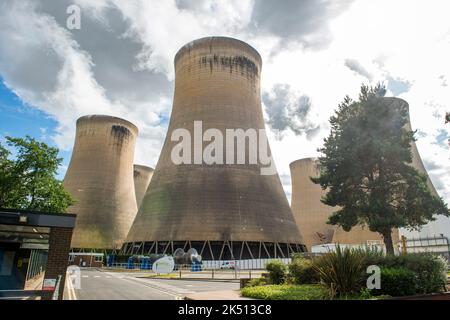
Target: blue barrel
[145,263]
[109,260]
[130,264]
[196,267]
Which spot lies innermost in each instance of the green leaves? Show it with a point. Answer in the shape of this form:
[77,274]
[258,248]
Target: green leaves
[28,181]
[342,270]
[367,170]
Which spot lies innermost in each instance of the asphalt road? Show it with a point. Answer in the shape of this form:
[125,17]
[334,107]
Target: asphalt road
[100,285]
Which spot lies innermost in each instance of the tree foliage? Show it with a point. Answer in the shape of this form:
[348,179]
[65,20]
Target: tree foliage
[27,177]
[367,172]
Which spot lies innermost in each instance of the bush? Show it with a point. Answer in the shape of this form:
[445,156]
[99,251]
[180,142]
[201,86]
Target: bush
[301,271]
[342,271]
[277,272]
[286,292]
[372,255]
[256,282]
[397,282]
[429,269]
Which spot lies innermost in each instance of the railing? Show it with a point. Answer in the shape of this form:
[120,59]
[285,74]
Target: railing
[250,264]
[217,270]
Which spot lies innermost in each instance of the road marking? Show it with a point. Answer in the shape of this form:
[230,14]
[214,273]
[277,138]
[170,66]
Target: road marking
[166,289]
[96,276]
[70,290]
[85,276]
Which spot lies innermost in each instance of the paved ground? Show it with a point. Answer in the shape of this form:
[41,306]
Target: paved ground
[207,274]
[101,285]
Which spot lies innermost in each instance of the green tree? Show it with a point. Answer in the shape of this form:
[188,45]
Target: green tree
[27,180]
[367,172]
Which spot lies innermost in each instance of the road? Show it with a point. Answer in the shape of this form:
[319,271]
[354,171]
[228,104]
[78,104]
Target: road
[101,285]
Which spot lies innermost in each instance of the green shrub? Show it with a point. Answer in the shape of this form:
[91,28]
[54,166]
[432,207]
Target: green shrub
[286,292]
[277,271]
[256,282]
[397,282]
[429,269]
[342,271]
[372,255]
[301,271]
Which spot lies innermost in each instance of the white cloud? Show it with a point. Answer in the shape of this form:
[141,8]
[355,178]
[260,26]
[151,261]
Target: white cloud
[121,62]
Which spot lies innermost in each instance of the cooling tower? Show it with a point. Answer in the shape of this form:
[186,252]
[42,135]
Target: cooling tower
[100,178]
[224,211]
[142,177]
[311,214]
[361,235]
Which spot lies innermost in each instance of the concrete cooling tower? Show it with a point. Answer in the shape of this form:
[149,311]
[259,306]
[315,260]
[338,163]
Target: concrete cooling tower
[142,177]
[361,235]
[311,214]
[224,211]
[100,178]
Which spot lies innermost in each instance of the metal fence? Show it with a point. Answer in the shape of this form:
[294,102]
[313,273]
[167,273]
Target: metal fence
[37,263]
[250,264]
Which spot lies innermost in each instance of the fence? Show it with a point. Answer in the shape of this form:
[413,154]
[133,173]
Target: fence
[250,264]
[37,263]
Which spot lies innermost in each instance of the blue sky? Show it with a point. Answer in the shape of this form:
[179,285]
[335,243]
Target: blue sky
[19,119]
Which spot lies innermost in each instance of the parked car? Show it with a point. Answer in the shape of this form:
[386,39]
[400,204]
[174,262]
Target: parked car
[228,265]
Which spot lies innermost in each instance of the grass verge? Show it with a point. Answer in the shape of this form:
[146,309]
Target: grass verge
[286,292]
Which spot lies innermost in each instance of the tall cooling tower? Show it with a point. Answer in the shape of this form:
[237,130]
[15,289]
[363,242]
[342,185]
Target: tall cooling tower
[142,177]
[361,235]
[225,211]
[100,178]
[311,214]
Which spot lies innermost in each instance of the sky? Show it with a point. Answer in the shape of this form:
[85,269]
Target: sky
[315,52]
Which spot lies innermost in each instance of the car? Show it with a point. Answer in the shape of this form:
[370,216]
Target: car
[228,265]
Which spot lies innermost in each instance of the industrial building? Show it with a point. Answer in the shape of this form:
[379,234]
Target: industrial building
[100,178]
[142,177]
[225,211]
[34,248]
[311,214]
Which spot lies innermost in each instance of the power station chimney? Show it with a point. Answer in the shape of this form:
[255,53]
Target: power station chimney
[142,177]
[100,178]
[224,210]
